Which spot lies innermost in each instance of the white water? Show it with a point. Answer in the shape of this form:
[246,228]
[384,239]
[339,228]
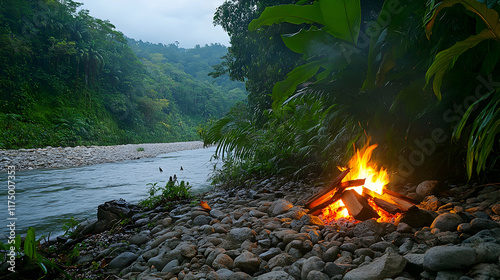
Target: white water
[45,199]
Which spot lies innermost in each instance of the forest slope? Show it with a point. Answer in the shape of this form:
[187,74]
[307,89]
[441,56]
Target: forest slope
[69,79]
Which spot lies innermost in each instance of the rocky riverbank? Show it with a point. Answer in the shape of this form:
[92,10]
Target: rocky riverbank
[50,157]
[264,233]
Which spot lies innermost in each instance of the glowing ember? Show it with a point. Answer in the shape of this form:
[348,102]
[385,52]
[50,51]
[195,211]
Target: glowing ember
[376,179]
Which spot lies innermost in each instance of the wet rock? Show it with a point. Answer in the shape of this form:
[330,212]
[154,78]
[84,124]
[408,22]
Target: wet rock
[123,260]
[447,222]
[247,262]
[449,257]
[112,211]
[387,266]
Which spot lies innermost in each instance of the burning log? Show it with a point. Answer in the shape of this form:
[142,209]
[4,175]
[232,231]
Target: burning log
[332,196]
[326,193]
[358,206]
[381,201]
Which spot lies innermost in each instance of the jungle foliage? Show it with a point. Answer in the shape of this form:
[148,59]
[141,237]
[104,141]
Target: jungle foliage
[69,79]
[363,70]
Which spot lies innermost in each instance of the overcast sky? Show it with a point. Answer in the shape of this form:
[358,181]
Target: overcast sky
[162,21]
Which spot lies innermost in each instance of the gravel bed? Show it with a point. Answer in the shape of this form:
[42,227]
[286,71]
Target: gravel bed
[58,157]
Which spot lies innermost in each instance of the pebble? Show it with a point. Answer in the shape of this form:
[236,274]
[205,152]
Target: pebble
[248,234]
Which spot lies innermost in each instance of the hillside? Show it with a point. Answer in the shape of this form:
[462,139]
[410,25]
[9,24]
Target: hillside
[69,79]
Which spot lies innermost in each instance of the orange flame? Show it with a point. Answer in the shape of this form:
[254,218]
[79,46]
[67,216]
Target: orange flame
[361,168]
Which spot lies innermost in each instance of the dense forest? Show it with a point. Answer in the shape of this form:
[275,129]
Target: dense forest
[68,79]
[418,78]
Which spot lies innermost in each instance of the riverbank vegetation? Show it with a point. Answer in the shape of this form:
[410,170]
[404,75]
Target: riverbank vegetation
[417,78]
[69,79]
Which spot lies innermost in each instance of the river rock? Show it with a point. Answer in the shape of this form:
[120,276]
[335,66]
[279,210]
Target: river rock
[479,224]
[237,236]
[449,257]
[270,253]
[140,238]
[447,222]
[485,271]
[312,263]
[487,235]
[280,260]
[187,249]
[487,252]
[275,275]
[368,228]
[387,266]
[279,207]
[201,220]
[123,260]
[247,262]
[222,261]
[317,275]
[427,188]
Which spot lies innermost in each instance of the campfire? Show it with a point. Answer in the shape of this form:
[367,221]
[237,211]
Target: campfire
[359,193]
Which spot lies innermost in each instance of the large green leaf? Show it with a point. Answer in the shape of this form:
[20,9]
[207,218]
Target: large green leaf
[342,18]
[311,41]
[282,90]
[445,60]
[489,16]
[288,13]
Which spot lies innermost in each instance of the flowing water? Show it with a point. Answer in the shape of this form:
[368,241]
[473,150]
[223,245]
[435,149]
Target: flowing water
[47,198]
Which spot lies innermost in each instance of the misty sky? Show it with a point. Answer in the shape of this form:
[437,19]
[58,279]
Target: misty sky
[162,21]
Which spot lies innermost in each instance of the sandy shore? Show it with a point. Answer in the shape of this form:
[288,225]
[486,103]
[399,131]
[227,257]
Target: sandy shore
[57,157]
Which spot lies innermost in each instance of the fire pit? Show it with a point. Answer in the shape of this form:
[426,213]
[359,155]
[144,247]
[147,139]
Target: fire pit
[359,193]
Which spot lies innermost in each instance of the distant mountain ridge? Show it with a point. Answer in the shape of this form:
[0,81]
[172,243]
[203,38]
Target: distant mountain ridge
[67,78]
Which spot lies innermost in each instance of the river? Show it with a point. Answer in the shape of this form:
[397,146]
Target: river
[46,198]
